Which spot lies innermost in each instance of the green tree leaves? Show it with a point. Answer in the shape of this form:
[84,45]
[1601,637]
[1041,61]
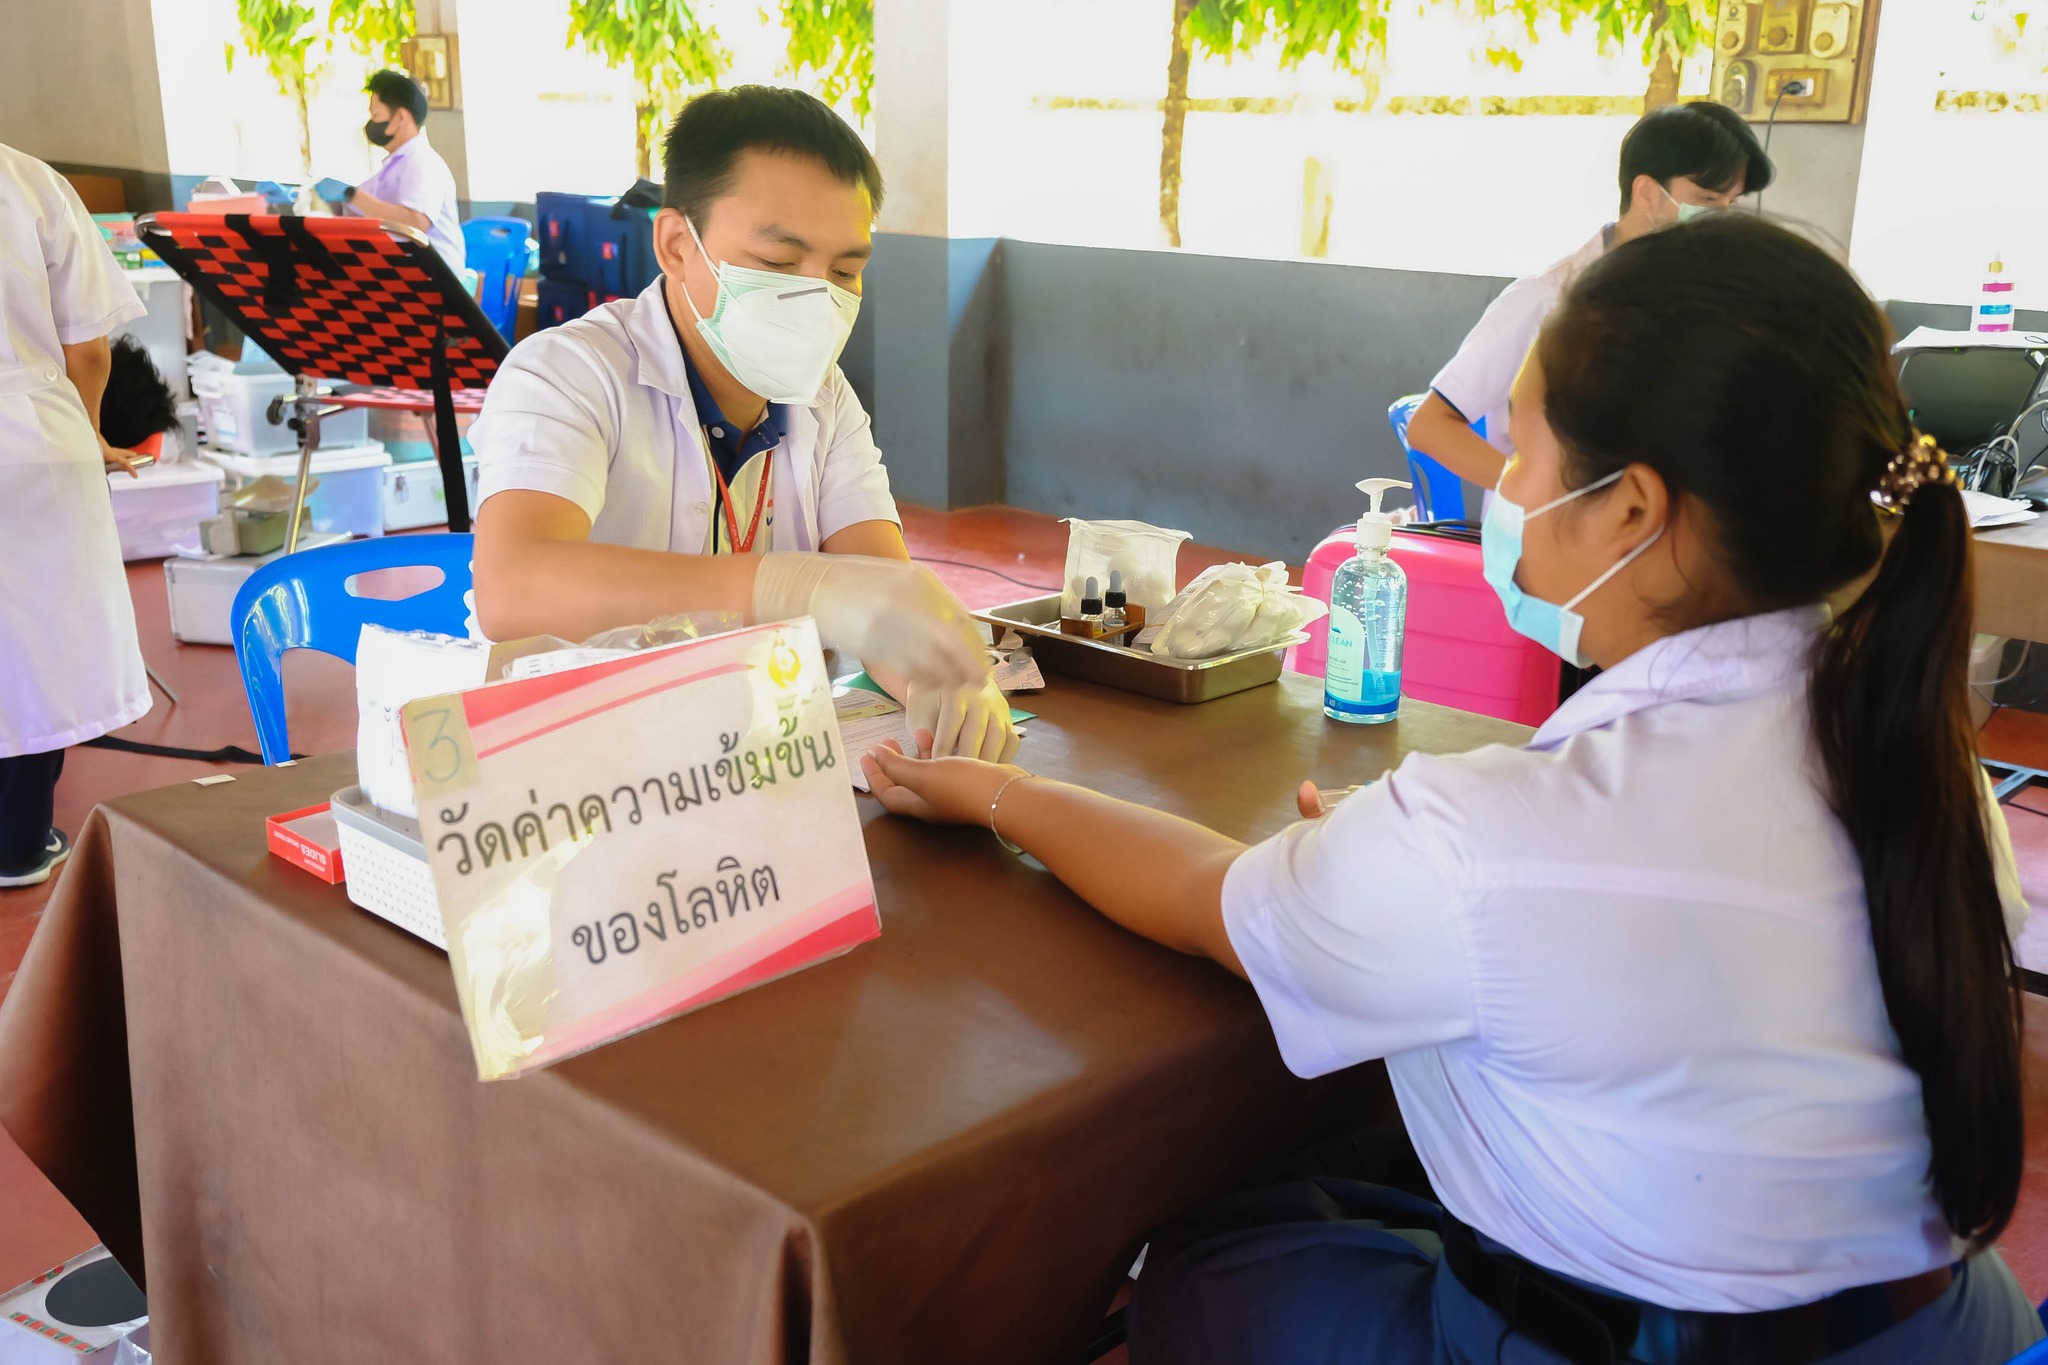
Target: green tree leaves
[835,39]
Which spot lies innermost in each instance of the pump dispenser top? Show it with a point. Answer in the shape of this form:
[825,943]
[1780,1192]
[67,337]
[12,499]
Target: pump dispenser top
[1376,528]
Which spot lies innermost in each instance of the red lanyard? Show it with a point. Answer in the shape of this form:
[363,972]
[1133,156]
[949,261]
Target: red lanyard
[732,525]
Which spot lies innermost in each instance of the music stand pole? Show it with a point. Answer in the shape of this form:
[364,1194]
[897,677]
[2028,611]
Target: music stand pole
[308,423]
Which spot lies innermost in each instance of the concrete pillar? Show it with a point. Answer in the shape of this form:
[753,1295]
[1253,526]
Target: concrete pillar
[932,318]
[446,127]
[1820,166]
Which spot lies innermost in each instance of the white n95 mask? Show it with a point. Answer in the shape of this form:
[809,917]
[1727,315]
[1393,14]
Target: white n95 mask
[779,335]
[1555,627]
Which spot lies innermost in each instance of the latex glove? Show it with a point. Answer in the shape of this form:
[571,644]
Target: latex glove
[971,722]
[333,191]
[890,613]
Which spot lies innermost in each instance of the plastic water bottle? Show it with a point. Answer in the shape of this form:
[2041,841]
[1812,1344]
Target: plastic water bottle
[1368,615]
[1994,301]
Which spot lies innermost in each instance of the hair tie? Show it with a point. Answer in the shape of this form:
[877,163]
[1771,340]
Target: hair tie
[1919,464]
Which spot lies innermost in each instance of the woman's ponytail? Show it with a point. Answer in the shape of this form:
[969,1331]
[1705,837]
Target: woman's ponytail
[1891,718]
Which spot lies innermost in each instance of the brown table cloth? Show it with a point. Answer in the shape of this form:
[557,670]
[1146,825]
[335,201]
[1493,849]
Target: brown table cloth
[944,1146]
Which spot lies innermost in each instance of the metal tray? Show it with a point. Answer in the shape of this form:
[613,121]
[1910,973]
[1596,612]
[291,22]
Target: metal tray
[1177,680]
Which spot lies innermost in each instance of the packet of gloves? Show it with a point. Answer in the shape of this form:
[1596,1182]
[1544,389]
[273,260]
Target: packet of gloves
[1232,609]
[395,667]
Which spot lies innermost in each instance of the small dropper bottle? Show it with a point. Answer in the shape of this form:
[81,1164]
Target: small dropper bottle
[1114,619]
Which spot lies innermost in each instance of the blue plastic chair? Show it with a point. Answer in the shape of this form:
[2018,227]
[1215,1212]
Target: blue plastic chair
[305,601]
[1439,494]
[499,250]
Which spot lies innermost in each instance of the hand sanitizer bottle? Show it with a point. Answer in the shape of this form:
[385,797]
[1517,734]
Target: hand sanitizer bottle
[1368,613]
[1993,312]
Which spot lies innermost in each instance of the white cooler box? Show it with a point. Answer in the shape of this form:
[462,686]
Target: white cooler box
[202,589]
[349,496]
[234,409]
[158,512]
[415,495]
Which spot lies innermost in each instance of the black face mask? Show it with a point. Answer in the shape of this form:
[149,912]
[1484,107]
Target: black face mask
[378,131]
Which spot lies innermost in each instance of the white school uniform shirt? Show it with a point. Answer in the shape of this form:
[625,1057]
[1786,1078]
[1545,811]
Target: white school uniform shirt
[1624,984]
[598,411]
[1477,379]
[417,177]
[70,663]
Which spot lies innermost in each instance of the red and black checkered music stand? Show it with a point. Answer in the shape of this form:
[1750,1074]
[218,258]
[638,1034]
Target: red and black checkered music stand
[348,300]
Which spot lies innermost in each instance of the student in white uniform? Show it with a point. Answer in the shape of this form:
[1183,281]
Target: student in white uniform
[70,663]
[697,449]
[1677,162]
[1700,1009]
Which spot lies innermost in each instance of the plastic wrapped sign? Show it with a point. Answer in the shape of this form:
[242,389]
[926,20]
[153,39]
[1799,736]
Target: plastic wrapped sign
[618,844]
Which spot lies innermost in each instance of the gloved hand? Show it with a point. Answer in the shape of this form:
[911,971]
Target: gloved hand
[967,722]
[333,191]
[891,614]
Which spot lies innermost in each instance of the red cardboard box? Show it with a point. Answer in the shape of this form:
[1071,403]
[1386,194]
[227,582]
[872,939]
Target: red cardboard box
[308,839]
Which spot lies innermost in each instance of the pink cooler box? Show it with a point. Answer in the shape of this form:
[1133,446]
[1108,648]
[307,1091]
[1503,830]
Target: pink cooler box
[1459,650]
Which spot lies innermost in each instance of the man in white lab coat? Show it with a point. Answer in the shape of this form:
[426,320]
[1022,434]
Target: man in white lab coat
[696,448]
[70,664]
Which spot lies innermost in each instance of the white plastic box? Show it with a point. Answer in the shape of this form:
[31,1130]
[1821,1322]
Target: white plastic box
[158,512]
[385,862]
[415,494]
[202,590]
[234,409]
[348,495]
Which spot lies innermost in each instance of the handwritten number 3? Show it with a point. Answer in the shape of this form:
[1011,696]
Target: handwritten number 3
[441,741]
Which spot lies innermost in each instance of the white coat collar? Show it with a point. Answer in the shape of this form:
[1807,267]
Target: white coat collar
[1747,655]
[657,351]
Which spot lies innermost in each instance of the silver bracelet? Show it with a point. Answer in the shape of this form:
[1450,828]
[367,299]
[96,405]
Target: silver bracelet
[1007,845]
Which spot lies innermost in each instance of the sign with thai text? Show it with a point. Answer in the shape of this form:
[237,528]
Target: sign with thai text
[617,844]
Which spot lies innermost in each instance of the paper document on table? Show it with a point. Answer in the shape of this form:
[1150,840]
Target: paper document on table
[1941,339]
[1987,511]
[868,720]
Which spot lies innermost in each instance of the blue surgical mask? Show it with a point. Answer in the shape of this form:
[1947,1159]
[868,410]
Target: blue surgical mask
[1555,627]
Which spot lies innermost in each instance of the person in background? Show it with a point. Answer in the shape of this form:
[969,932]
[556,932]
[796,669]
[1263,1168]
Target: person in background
[1700,1009]
[1676,162]
[697,449]
[413,186]
[70,663]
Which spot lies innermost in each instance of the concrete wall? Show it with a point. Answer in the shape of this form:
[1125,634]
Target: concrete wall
[1819,168]
[85,106]
[929,358]
[78,83]
[1238,400]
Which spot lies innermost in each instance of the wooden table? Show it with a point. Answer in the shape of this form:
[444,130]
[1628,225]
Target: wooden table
[945,1146]
[2012,580]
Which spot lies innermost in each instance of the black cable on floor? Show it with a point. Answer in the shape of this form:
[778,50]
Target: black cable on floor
[231,753]
[983,568]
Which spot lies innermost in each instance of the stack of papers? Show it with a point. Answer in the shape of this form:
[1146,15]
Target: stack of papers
[1940,339]
[1986,511]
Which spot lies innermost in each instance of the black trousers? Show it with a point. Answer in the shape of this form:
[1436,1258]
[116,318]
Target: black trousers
[28,799]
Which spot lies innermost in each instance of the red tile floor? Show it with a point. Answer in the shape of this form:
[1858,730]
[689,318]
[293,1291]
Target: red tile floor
[987,556]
